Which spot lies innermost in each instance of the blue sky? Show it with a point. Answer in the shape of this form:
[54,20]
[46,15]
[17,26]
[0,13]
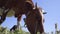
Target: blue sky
[52,7]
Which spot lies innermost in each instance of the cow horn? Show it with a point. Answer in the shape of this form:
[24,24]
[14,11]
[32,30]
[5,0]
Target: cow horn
[36,5]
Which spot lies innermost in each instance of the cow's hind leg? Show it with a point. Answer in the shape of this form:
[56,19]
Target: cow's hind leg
[3,16]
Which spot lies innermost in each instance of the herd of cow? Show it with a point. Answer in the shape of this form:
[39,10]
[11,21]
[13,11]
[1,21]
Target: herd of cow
[34,15]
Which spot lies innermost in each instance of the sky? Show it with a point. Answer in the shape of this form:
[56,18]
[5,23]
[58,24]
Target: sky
[52,7]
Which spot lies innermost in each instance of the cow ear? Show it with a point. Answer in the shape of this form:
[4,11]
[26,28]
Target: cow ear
[44,12]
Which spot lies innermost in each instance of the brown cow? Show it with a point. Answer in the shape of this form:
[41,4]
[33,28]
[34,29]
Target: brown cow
[34,21]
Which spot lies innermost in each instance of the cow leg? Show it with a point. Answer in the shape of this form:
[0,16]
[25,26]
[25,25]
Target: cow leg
[18,20]
[3,16]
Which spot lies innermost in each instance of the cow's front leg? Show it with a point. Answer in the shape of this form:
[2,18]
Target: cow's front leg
[18,21]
